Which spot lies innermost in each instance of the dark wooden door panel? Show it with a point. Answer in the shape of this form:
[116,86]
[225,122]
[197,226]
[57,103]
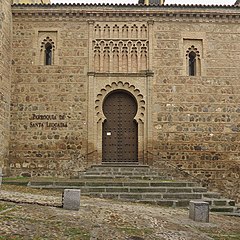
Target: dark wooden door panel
[120,129]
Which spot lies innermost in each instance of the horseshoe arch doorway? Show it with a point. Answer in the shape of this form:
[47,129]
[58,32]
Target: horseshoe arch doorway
[120,130]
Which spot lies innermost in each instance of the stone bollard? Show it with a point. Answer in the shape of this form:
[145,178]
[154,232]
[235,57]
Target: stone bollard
[199,211]
[71,199]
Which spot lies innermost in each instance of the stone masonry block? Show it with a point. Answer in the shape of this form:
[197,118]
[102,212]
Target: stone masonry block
[71,199]
[199,211]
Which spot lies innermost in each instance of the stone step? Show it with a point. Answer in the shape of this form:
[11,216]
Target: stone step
[132,173]
[212,195]
[223,209]
[118,168]
[147,195]
[182,196]
[102,168]
[117,171]
[120,165]
[138,183]
[140,177]
[100,183]
[185,203]
[162,193]
[158,199]
[120,171]
[137,189]
[219,201]
[124,187]
[109,172]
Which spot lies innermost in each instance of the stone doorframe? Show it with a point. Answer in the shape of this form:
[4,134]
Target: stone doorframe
[99,86]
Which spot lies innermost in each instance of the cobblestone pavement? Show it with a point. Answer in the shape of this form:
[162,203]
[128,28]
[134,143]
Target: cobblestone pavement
[36,214]
[19,197]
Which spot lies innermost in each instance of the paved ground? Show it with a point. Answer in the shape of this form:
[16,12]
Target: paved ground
[35,214]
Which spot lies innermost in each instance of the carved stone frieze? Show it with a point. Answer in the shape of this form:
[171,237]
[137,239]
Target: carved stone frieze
[120,55]
[120,47]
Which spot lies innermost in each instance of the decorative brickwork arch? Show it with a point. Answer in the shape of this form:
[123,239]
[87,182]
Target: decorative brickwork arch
[139,117]
[120,86]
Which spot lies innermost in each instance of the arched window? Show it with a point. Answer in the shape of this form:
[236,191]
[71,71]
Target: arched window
[193,62]
[48,54]
[47,51]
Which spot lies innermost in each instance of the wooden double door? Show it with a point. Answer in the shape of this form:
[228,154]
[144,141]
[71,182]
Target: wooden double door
[120,130]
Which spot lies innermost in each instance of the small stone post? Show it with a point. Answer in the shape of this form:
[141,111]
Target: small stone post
[199,211]
[71,199]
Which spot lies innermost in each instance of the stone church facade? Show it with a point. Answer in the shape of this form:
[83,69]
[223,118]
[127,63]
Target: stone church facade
[145,84]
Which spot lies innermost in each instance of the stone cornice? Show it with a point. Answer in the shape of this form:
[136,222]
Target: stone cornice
[94,5]
[108,12]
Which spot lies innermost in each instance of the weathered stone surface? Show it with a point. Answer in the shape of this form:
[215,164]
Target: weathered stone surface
[199,211]
[5,78]
[49,108]
[71,199]
[189,122]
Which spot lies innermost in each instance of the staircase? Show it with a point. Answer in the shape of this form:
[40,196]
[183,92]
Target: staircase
[139,183]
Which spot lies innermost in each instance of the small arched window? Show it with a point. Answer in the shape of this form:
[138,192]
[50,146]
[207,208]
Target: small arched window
[193,62]
[47,51]
[48,54]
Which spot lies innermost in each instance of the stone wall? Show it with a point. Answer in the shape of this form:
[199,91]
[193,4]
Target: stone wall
[195,119]
[5,78]
[48,125]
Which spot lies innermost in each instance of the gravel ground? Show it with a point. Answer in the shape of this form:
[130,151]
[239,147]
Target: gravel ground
[36,214]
